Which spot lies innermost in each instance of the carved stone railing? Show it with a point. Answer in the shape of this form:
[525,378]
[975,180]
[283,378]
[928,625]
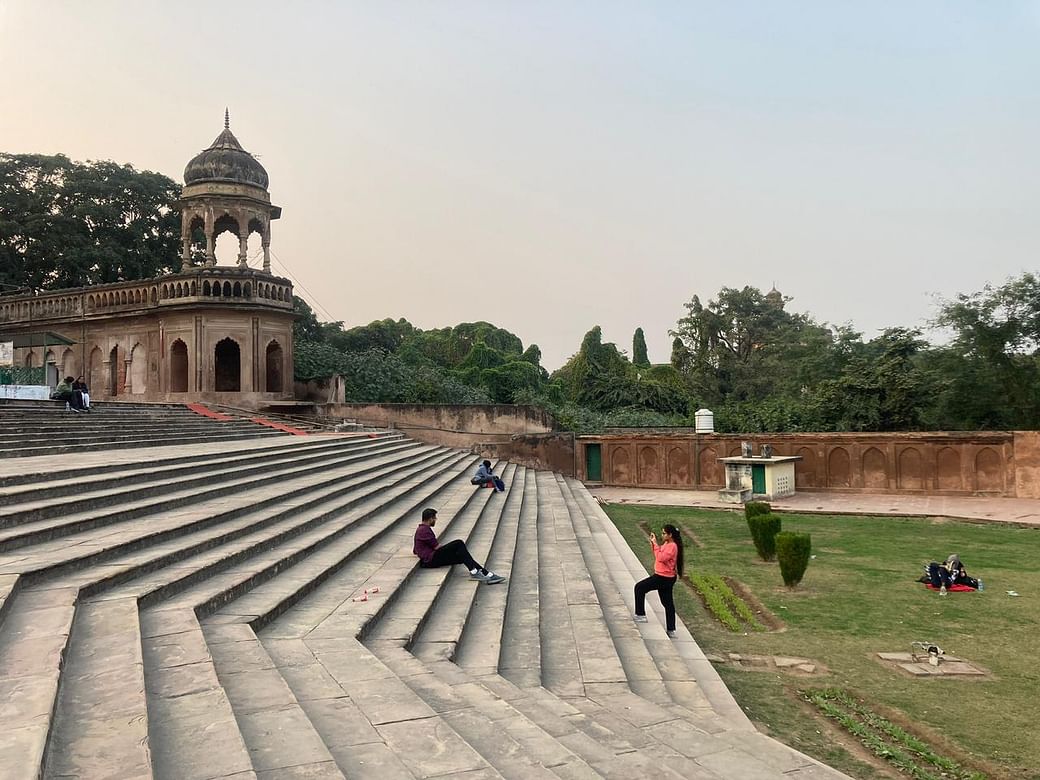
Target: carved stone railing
[210,285]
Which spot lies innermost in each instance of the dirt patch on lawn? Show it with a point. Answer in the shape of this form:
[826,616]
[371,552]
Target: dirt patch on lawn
[762,612]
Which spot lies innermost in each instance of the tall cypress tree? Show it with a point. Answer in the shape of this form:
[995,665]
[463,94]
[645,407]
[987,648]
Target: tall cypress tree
[639,356]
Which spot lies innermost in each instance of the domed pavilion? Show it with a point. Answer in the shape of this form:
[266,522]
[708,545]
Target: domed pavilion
[207,333]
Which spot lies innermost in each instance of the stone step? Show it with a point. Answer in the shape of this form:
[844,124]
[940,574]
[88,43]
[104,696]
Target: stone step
[659,676]
[317,636]
[295,528]
[33,646]
[168,441]
[192,728]
[100,727]
[560,665]
[628,570]
[185,495]
[381,529]
[141,547]
[439,633]
[128,462]
[76,481]
[89,729]
[511,616]
[92,498]
[404,616]
[279,736]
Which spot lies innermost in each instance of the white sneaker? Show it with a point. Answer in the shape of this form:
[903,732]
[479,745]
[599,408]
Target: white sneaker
[493,579]
[639,618]
[671,634]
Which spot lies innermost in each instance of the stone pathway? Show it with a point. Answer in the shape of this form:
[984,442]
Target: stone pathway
[1021,511]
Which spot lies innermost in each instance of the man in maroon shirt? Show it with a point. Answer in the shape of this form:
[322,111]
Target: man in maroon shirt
[431,555]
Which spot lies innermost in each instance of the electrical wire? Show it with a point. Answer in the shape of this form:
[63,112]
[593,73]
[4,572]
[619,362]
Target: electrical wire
[313,300]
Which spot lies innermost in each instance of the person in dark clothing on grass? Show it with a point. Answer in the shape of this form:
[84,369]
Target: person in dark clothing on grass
[433,555]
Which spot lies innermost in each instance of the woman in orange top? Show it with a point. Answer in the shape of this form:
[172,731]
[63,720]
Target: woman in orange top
[668,566]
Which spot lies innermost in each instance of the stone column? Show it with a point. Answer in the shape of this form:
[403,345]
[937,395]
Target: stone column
[267,248]
[243,249]
[186,253]
[211,241]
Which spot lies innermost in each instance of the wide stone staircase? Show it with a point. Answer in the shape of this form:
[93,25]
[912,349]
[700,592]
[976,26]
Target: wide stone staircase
[252,608]
[33,428]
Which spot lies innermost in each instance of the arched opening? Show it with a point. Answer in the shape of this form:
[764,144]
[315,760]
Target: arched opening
[154,296]
[165,292]
[30,360]
[227,290]
[178,367]
[90,303]
[116,371]
[122,297]
[197,238]
[247,290]
[51,363]
[227,367]
[178,291]
[94,362]
[274,367]
[137,296]
[236,291]
[138,369]
[225,235]
[205,288]
[216,289]
[194,290]
[69,364]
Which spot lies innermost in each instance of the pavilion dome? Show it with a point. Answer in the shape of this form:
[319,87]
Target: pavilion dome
[225,161]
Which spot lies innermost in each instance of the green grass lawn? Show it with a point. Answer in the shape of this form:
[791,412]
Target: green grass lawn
[859,597]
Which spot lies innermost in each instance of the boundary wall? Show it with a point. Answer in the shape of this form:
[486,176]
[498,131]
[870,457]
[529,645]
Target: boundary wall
[988,463]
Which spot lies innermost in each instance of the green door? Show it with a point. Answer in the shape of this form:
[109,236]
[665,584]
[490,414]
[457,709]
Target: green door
[758,479]
[593,463]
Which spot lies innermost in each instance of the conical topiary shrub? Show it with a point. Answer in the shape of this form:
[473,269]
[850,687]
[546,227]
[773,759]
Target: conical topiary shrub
[752,508]
[792,550]
[764,529]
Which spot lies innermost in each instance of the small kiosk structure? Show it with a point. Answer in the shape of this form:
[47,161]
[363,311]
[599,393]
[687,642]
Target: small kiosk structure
[763,476]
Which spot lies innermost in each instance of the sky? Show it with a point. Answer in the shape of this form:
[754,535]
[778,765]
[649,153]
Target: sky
[551,166]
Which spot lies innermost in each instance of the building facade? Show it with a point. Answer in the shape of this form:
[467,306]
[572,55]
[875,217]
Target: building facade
[207,333]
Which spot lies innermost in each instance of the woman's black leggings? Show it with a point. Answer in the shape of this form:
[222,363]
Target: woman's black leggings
[663,586]
[451,553]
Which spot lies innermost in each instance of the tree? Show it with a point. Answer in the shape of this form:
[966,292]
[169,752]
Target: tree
[991,369]
[639,356]
[70,224]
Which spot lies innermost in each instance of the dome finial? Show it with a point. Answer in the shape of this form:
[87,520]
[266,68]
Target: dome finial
[227,119]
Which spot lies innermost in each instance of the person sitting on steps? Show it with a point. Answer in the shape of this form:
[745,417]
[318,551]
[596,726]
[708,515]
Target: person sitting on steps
[486,474]
[63,392]
[668,566]
[81,392]
[432,555]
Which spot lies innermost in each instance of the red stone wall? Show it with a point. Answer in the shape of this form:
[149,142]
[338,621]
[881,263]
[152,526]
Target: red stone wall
[935,463]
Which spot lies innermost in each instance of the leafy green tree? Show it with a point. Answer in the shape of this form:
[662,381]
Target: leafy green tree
[70,224]
[991,369]
[639,355]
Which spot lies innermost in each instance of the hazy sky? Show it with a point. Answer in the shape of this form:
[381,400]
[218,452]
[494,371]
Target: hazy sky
[550,166]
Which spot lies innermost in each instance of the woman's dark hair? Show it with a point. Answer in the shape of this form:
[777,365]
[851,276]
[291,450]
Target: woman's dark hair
[487,464]
[677,538]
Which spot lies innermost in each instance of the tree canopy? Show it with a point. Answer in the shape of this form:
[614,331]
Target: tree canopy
[70,224]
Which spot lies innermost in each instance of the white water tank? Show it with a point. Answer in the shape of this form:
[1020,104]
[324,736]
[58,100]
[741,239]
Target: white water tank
[704,421]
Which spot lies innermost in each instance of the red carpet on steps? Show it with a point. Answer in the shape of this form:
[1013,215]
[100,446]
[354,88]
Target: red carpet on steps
[279,426]
[206,412]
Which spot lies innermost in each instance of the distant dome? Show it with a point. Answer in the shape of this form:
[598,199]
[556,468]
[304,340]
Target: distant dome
[775,297]
[225,160]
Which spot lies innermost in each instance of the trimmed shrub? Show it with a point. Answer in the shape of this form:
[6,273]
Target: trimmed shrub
[793,550]
[752,508]
[764,529]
